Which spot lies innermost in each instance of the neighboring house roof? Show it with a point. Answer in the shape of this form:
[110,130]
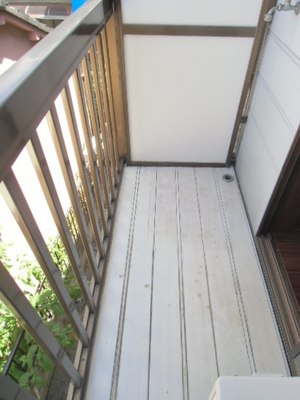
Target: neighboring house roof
[9,15]
[52,12]
[31,2]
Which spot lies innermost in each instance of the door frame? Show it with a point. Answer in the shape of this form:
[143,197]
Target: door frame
[281,293]
[283,186]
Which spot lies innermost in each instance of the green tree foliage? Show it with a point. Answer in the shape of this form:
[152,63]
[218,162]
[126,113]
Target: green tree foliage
[31,360]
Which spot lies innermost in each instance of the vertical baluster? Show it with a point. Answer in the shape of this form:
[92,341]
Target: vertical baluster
[89,71]
[18,304]
[12,355]
[100,107]
[100,112]
[106,108]
[39,162]
[110,95]
[87,137]
[71,119]
[65,166]
[17,203]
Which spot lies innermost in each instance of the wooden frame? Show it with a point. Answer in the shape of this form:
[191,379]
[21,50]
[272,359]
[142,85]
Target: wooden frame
[281,291]
[120,49]
[249,81]
[189,30]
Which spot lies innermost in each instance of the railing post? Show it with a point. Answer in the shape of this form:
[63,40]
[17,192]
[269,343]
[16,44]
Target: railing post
[116,85]
[18,304]
[11,391]
[122,74]
[110,96]
[109,130]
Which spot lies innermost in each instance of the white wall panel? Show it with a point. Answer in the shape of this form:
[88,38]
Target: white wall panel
[273,116]
[280,70]
[191,12]
[263,164]
[183,94]
[286,26]
[272,123]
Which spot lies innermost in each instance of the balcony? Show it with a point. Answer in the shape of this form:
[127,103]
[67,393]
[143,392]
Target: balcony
[176,285]
[184,300]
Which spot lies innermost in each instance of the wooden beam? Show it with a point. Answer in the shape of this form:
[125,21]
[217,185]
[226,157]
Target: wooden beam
[189,30]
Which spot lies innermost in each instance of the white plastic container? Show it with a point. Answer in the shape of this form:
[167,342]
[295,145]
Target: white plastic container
[257,387]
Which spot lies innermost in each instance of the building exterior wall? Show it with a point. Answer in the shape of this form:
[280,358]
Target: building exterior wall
[14,44]
[273,117]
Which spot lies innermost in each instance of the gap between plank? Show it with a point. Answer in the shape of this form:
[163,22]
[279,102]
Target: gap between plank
[152,280]
[235,278]
[206,273]
[115,379]
[185,377]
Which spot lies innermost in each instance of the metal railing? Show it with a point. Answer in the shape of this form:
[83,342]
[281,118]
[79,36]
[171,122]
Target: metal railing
[73,62]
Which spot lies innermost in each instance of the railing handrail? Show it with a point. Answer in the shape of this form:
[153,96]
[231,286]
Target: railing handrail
[31,84]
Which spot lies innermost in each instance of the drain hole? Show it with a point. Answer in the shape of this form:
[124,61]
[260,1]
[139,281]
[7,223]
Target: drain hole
[228,178]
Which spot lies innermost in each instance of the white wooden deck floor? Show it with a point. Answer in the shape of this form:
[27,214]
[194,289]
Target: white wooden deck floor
[184,300]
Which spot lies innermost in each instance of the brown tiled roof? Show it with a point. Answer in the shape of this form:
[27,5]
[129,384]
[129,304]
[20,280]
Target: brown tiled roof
[39,2]
[5,7]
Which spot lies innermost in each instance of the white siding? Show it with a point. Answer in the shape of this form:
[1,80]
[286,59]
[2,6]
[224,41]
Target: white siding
[273,117]
[191,12]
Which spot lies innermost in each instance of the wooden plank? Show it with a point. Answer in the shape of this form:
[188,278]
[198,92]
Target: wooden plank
[265,343]
[100,375]
[201,356]
[165,357]
[134,362]
[231,348]
[205,313]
